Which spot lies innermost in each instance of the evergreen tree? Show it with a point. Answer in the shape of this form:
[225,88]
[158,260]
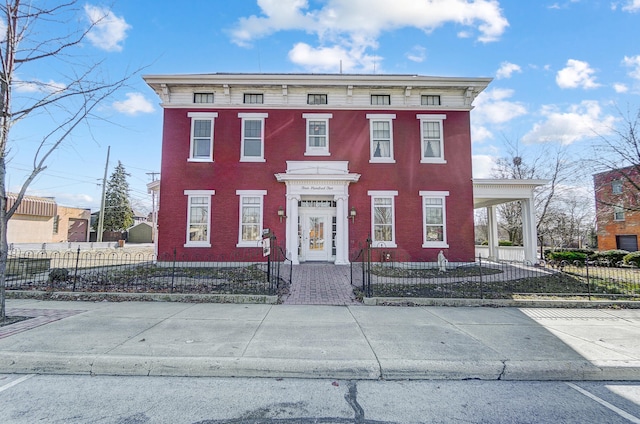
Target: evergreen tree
[118,215]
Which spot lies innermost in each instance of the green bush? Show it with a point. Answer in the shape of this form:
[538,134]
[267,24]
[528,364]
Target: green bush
[58,274]
[588,252]
[505,243]
[567,255]
[632,258]
[611,256]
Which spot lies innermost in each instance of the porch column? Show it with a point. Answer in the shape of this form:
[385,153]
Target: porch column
[342,231]
[292,228]
[529,232]
[492,230]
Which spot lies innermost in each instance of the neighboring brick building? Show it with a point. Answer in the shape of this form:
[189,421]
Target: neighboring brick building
[41,220]
[323,161]
[618,208]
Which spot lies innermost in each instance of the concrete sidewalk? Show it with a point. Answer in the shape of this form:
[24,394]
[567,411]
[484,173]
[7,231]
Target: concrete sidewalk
[309,341]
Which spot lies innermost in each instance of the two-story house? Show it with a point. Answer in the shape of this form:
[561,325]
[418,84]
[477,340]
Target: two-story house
[322,161]
[618,208]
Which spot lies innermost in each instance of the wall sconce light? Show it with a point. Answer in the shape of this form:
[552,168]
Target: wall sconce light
[281,214]
[352,214]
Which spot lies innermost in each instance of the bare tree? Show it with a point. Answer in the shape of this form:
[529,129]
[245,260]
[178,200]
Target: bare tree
[70,103]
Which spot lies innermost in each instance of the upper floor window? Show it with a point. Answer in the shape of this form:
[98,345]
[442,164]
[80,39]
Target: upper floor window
[201,144]
[434,222]
[431,138]
[430,100]
[251,212]
[616,187]
[198,217]
[317,133]
[252,144]
[381,137]
[316,99]
[253,98]
[383,218]
[202,97]
[380,99]
[618,213]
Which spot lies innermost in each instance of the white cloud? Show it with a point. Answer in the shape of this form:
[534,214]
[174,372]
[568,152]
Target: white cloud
[632,6]
[579,122]
[634,63]
[37,86]
[620,88]
[331,59]
[577,74]
[417,54]
[135,103]
[506,69]
[355,25]
[482,166]
[493,106]
[109,30]
[480,133]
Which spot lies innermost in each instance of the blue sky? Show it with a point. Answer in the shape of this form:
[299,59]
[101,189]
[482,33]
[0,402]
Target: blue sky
[562,70]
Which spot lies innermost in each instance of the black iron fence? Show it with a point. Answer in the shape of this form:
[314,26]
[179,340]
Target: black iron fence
[131,271]
[484,279]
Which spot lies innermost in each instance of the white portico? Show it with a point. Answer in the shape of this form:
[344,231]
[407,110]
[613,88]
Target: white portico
[317,210]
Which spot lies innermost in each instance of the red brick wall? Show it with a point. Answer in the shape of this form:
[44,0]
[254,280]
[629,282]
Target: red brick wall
[348,141]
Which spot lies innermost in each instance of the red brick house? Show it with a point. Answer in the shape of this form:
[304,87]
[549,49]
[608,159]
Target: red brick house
[618,208]
[322,161]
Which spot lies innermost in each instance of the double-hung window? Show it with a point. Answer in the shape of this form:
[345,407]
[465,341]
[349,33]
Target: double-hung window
[251,212]
[431,138]
[252,145]
[616,187]
[383,218]
[381,137]
[618,213]
[434,218]
[198,217]
[317,133]
[201,145]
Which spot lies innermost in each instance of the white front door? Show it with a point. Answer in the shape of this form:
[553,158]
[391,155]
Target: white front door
[316,237]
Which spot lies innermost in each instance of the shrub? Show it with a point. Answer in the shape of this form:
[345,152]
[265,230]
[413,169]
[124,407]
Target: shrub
[568,255]
[505,243]
[611,256]
[632,258]
[587,252]
[58,274]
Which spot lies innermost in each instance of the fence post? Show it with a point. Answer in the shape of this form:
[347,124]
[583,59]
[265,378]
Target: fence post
[173,269]
[75,273]
[586,265]
[369,242]
[481,287]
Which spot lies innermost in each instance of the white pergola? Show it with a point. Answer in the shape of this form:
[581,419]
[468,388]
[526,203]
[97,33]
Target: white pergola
[488,193]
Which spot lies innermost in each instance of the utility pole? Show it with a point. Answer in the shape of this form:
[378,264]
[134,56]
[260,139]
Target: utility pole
[102,205]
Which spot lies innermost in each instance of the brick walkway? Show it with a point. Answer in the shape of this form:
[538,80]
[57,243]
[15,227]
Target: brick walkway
[320,284]
[38,317]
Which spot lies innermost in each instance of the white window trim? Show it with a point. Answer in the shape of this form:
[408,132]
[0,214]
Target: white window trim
[198,193]
[437,195]
[432,118]
[253,117]
[250,193]
[374,194]
[317,151]
[201,116]
[377,117]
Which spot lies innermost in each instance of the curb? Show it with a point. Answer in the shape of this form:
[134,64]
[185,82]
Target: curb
[507,370]
[506,303]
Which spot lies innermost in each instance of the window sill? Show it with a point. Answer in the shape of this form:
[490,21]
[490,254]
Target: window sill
[438,244]
[249,244]
[253,160]
[317,154]
[383,244]
[433,160]
[207,160]
[384,160]
[201,244]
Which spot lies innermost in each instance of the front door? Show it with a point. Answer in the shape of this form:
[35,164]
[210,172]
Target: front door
[316,237]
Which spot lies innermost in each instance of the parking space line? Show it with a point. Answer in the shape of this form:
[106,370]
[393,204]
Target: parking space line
[606,404]
[16,382]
